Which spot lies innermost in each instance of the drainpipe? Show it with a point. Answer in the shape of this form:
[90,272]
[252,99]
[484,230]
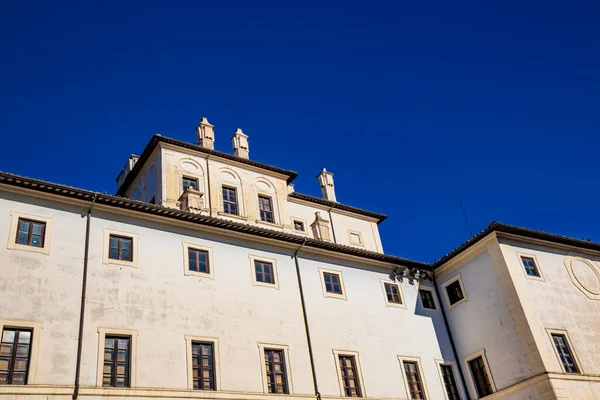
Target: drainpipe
[332,228]
[308,340]
[83,290]
[458,361]
[208,179]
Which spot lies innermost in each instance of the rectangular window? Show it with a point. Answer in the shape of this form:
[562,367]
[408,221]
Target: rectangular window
[31,233]
[15,351]
[480,376]
[299,226]
[413,379]
[332,283]
[189,183]
[393,293]
[266,209]
[455,293]
[565,354]
[264,272]
[117,361]
[276,373]
[121,248]
[349,376]
[230,201]
[427,299]
[198,261]
[203,366]
[449,382]
[530,266]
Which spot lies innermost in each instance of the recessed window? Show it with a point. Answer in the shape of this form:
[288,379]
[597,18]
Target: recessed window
[480,377]
[31,233]
[530,266]
[392,293]
[349,375]
[299,226]
[332,283]
[120,248]
[455,293]
[198,261]
[117,361]
[276,374]
[230,205]
[189,183]
[203,366]
[565,354]
[264,272]
[15,351]
[266,209]
[449,382]
[413,380]
[427,299]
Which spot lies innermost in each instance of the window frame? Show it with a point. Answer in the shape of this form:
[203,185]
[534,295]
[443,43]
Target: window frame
[262,346]
[565,334]
[14,229]
[120,239]
[449,282]
[223,202]
[115,360]
[520,257]
[360,242]
[453,366]
[189,339]
[191,179]
[415,360]
[361,384]
[34,346]
[388,303]
[194,246]
[134,251]
[430,291]
[303,222]
[322,272]
[261,211]
[258,258]
[133,335]
[480,353]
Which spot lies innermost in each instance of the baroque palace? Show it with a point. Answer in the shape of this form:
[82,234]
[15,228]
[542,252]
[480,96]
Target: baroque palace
[206,276]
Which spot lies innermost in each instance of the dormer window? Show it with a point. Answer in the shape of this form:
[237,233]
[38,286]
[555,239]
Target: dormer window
[189,183]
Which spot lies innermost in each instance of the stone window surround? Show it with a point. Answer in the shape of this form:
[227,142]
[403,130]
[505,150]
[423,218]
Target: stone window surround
[564,332]
[14,226]
[537,266]
[402,303]
[188,351]
[305,231]
[454,367]
[336,357]
[288,371]
[134,243]
[444,285]
[34,351]
[471,382]
[107,331]
[253,258]
[342,286]
[417,360]
[186,270]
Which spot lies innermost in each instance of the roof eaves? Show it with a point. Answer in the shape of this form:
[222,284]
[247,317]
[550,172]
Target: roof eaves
[333,204]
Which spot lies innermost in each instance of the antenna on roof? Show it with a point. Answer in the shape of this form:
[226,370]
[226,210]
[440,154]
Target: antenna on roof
[466,219]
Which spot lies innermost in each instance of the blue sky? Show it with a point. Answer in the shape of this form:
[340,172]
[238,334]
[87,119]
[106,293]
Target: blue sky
[413,105]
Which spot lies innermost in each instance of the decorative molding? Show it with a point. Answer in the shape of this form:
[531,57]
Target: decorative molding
[589,285]
[14,227]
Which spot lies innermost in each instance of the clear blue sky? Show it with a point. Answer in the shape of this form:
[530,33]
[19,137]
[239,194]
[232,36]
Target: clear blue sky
[413,105]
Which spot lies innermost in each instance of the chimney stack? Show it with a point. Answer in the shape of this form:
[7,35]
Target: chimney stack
[240,144]
[326,182]
[206,134]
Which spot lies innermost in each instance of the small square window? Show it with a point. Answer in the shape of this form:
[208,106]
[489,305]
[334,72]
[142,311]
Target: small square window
[264,272]
[189,183]
[332,283]
[427,299]
[31,233]
[120,248]
[393,294]
[198,261]
[455,291]
[299,226]
[530,266]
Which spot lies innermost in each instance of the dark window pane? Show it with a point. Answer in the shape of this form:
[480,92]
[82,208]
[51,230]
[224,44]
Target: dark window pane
[117,359]
[349,376]
[480,377]
[264,272]
[427,299]
[392,293]
[332,283]
[276,372]
[564,353]
[530,266]
[203,366]
[31,233]
[455,293]
[229,201]
[449,382]
[413,379]
[120,248]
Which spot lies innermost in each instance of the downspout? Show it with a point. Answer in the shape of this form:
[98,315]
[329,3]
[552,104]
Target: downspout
[308,340]
[83,291]
[332,228]
[458,361]
[208,180]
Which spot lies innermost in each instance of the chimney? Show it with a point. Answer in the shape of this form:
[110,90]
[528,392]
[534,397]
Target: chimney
[240,144]
[326,182]
[320,228]
[206,134]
